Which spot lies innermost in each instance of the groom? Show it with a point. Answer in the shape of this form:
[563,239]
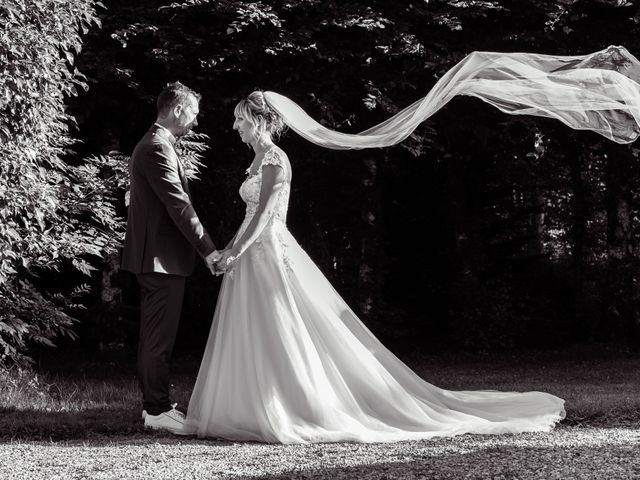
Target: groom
[163,235]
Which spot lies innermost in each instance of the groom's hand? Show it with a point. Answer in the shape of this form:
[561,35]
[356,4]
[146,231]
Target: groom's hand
[211,260]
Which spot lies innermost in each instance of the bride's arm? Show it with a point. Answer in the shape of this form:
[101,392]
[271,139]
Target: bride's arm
[273,179]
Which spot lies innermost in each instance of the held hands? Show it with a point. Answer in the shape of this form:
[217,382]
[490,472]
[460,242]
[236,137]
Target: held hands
[226,261]
[211,259]
[220,262]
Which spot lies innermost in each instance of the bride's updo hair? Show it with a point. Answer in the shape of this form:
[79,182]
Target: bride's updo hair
[256,110]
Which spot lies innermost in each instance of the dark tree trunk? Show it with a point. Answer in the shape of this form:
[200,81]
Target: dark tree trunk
[466,298]
[580,210]
[535,202]
[371,250]
[620,295]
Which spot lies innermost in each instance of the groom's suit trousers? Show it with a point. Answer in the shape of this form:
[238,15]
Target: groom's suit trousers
[160,306]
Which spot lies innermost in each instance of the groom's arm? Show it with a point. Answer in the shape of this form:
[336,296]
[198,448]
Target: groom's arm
[161,170]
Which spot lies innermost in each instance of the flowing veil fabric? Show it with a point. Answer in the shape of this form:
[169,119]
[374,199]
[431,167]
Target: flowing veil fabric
[598,92]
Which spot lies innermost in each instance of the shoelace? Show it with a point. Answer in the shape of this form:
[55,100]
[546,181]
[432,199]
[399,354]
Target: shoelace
[174,412]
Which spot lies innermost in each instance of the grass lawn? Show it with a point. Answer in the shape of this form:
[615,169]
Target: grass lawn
[81,419]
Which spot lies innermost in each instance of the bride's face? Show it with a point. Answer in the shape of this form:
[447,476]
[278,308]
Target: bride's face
[245,128]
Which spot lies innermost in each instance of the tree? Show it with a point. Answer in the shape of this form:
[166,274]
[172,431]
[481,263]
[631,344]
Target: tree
[53,214]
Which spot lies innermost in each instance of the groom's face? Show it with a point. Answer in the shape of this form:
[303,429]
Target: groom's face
[187,115]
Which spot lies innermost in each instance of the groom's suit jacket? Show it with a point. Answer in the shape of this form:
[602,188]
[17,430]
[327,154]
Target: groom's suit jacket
[163,230]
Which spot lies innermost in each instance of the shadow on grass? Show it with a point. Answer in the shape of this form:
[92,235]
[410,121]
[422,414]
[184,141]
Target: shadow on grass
[83,399]
[32,424]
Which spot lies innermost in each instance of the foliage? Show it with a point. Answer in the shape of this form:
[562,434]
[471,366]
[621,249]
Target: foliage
[512,205]
[190,150]
[52,212]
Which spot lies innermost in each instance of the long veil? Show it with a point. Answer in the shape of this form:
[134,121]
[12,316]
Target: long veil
[599,92]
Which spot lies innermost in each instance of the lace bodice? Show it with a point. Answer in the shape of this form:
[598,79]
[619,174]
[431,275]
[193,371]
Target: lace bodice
[250,188]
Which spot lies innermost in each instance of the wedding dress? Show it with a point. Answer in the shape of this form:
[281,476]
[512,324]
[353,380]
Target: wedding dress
[288,361]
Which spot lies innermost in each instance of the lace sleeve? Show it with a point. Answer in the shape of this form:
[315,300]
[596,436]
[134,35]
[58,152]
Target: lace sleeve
[275,156]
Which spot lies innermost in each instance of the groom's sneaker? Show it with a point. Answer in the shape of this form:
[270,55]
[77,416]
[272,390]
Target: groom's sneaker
[171,421]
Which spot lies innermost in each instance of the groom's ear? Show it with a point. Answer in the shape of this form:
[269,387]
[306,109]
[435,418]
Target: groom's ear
[177,110]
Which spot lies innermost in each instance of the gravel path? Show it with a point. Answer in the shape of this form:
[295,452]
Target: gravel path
[565,453]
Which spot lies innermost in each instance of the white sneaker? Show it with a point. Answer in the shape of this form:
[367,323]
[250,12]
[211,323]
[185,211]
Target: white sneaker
[171,421]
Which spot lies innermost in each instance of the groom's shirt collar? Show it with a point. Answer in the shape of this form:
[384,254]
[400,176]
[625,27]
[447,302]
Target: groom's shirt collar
[166,133]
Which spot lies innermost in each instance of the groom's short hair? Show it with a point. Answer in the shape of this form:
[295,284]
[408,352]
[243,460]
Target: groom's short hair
[174,94]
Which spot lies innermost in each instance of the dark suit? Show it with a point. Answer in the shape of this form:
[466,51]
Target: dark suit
[163,236]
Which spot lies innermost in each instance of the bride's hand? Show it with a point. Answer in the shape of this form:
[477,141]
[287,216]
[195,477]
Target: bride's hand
[225,263]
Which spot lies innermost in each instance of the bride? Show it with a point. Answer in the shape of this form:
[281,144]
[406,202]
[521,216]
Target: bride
[287,360]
